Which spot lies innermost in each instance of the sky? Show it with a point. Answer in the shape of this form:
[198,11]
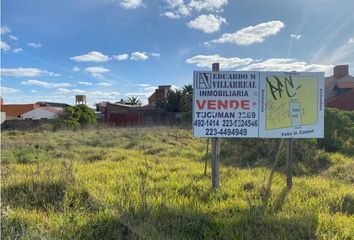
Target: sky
[114,49]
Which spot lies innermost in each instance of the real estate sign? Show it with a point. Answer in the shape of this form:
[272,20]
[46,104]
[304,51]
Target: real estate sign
[258,104]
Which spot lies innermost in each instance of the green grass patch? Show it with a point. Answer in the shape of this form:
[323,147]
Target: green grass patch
[149,183]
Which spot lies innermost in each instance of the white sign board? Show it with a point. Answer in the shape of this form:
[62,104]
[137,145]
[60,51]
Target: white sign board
[258,104]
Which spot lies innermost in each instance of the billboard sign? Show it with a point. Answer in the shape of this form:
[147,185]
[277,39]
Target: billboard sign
[238,104]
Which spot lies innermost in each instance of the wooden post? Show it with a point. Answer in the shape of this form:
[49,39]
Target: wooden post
[289,163]
[206,157]
[215,144]
[215,179]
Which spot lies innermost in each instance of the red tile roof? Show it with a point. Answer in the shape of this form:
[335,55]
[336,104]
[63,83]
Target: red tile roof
[17,109]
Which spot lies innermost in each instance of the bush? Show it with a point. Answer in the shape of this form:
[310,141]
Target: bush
[78,116]
[339,130]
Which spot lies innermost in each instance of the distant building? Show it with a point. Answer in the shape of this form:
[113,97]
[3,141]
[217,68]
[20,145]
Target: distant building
[131,115]
[339,89]
[2,117]
[159,96]
[52,104]
[15,111]
[43,113]
[2,114]
[124,114]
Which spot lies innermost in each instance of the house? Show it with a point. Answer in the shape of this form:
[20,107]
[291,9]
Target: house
[339,89]
[160,94]
[2,117]
[132,115]
[3,114]
[30,111]
[15,111]
[123,114]
[43,113]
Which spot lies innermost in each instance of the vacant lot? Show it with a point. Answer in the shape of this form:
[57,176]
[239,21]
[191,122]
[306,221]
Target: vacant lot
[149,183]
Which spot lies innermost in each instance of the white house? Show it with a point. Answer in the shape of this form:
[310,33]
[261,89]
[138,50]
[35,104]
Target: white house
[3,117]
[43,113]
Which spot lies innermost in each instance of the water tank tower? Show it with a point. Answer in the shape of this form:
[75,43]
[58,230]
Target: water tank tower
[80,99]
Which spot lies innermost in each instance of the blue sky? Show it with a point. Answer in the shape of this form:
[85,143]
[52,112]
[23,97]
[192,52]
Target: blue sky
[113,49]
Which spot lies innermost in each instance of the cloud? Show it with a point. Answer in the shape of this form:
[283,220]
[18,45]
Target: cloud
[139,56]
[225,63]
[208,5]
[64,90]
[34,45]
[92,56]
[351,40]
[127,4]
[76,69]
[4,46]
[287,65]
[135,56]
[144,90]
[249,35]
[178,8]
[207,23]
[85,83]
[104,94]
[26,72]
[13,38]
[138,94]
[147,88]
[34,91]
[104,84]
[340,55]
[295,36]
[7,90]
[75,91]
[121,57]
[155,54]
[45,84]
[171,15]
[4,30]
[17,50]
[97,71]
[131,4]
[143,84]
[78,91]
[248,64]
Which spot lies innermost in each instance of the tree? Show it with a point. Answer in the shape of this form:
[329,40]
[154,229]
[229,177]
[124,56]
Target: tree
[180,100]
[80,115]
[187,91]
[133,101]
[174,101]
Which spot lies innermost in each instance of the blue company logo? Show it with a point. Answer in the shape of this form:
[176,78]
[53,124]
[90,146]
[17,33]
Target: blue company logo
[203,80]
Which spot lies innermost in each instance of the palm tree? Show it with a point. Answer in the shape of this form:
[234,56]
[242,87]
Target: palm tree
[180,100]
[174,101]
[133,101]
[187,91]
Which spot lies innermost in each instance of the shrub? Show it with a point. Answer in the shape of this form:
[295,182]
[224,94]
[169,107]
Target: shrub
[339,130]
[78,116]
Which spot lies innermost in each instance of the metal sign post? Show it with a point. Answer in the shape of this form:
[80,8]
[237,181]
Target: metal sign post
[215,143]
[289,165]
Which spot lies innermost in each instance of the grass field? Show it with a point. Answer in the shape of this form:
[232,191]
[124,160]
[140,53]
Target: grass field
[149,183]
